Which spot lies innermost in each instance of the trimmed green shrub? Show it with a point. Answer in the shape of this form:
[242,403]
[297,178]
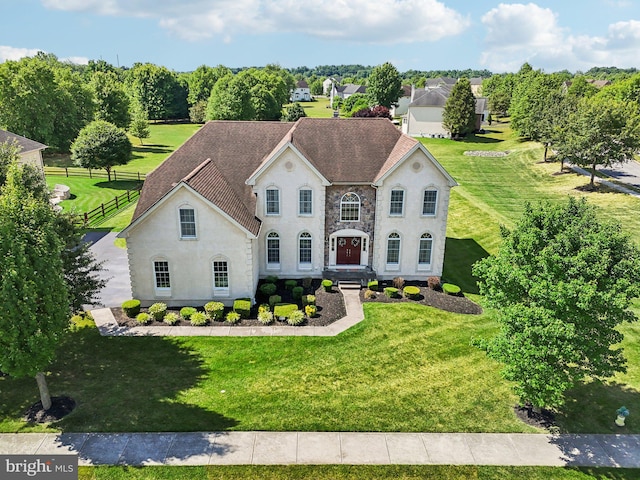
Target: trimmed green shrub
[268,289]
[295,318]
[310,310]
[391,292]
[265,317]
[284,309]
[373,285]
[308,300]
[411,292]
[158,310]
[232,317]
[242,306]
[297,293]
[450,289]
[199,319]
[271,279]
[186,312]
[327,285]
[131,308]
[171,318]
[290,284]
[215,310]
[274,299]
[143,318]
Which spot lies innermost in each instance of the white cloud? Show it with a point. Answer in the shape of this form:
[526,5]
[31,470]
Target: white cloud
[518,33]
[76,60]
[371,21]
[13,53]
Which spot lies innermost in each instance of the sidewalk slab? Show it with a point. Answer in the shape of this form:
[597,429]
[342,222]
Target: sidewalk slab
[103,448]
[364,449]
[316,448]
[275,448]
[21,443]
[146,449]
[448,448]
[233,448]
[407,449]
[191,449]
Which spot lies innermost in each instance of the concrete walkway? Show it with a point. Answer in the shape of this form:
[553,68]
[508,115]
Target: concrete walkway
[613,186]
[321,448]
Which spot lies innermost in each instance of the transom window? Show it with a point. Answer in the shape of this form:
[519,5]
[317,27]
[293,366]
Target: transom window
[397,203]
[273,248]
[220,275]
[305,248]
[305,204]
[273,201]
[350,208]
[187,223]
[393,249]
[161,273]
[429,202]
[424,253]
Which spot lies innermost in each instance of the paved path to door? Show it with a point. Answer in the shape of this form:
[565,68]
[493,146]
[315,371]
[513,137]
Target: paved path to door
[334,448]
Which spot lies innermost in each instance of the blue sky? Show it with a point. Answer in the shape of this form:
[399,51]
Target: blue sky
[412,34]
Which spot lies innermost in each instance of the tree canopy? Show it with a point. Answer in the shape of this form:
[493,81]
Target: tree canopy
[561,283]
[459,116]
[384,86]
[101,145]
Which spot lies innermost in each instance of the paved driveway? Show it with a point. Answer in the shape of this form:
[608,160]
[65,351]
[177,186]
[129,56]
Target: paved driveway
[118,288]
[628,172]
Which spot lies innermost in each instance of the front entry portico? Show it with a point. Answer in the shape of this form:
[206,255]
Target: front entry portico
[348,248]
[348,251]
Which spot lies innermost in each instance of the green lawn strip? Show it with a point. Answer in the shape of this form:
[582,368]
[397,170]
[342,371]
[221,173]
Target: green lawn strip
[405,368]
[318,108]
[354,472]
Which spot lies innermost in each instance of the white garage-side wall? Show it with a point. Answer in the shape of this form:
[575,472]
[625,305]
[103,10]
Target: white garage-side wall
[33,158]
[424,122]
[288,173]
[415,175]
[156,237]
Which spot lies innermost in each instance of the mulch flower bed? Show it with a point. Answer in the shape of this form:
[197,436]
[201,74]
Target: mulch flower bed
[427,296]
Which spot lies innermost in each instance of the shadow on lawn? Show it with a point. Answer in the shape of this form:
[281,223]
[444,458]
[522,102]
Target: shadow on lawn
[151,148]
[131,384]
[460,255]
[119,184]
[479,138]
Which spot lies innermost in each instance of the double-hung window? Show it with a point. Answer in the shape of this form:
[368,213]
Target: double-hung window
[305,201]
[162,278]
[396,206]
[220,277]
[187,223]
[272,201]
[393,250]
[429,202]
[304,250]
[424,252]
[273,250]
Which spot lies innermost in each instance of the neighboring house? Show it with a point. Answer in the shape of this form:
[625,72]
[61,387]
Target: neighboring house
[239,201]
[476,85]
[302,93]
[345,91]
[328,83]
[30,151]
[403,102]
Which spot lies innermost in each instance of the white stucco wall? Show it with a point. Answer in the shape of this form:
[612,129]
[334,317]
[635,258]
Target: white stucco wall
[157,237]
[414,175]
[289,174]
[33,158]
[424,121]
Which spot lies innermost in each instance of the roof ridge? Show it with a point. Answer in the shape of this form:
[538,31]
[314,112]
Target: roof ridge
[195,171]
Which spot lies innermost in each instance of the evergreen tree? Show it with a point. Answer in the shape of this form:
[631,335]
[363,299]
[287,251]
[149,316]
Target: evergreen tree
[459,116]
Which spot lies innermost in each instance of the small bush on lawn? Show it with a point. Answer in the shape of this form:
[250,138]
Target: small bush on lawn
[171,318]
[143,318]
[273,299]
[411,292]
[327,284]
[308,300]
[271,279]
[158,310]
[215,310]
[398,282]
[283,310]
[199,319]
[369,294]
[297,293]
[290,284]
[391,292]
[268,289]
[265,317]
[433,283]
[373,285]
[306,282]
[295,318]
[311,310]
[186,312]
[242,306]
[232,317]
[450,289]
[131,308]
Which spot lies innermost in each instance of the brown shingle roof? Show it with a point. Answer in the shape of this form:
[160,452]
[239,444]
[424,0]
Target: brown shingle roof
[25,144]
[217,160]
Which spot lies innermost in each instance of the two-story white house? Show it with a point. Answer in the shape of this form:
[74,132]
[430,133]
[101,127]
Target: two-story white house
[302,92]
[239,201]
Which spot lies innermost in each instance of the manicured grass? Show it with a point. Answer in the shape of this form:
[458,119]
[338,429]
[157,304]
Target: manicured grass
[319,108]
[354,472]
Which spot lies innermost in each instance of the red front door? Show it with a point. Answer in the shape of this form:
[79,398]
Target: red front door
[348,252]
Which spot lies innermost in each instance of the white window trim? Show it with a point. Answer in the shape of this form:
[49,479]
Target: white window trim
[425,266]
[186,206]
[266,208]
[220,291]
[435,210]
[300,214]
[393,266]
[272,265]
[309,265]
[161,291]
[404,200]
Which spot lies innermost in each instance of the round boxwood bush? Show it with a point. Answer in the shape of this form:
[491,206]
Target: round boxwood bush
[215,310]
[143,318]
[373,285]
[171,318]
[158,310]
[268,289]
[271,279]
[411,292]
[450,289]
[198,319]
[391,292]
[131,308]
[327,284]
[186,312]
[297,293]
[290,284]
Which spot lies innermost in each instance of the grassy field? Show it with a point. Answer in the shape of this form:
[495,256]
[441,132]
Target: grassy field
[319,108]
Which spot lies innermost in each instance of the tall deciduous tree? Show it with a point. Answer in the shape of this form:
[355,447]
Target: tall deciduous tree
[112,102]
[158,91]
[230,100]
[202,80]
[33,293]
[101,145]
[384,86]
[139,126]
[561,283]
[459,116]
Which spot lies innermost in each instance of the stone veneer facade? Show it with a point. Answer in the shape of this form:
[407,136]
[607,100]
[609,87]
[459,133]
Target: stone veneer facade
[366,224]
